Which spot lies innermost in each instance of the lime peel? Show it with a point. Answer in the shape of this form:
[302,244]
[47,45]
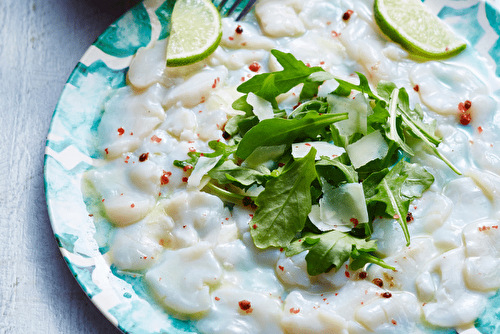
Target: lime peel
[195,34]
[415,28]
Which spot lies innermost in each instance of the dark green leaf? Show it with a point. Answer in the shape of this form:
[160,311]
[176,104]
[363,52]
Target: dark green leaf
[321,107]
[413,120]
[309,90]
[385,88]
[334,171]
[270,85]
[243,105]
[298,246]
[227,195]
[329,250]
[277,131]
[378,119]
[284,204]
[345,88]
[361,258]
[188,163]
[231,126]
[219,148]
[402,184]
[394,130]
[229,172]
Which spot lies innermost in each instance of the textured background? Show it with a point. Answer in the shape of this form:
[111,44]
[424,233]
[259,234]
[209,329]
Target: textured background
[41,41]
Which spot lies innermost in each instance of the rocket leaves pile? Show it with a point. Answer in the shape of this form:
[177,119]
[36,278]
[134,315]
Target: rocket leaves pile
[322,171]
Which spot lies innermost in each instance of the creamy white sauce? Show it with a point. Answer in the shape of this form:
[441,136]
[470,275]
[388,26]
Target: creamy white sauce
[198,257]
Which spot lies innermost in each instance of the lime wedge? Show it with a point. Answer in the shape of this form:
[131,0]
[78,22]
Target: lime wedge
[195,33]
[411,24]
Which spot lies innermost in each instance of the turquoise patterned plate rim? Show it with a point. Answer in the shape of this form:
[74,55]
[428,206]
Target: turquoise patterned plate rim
[71,151]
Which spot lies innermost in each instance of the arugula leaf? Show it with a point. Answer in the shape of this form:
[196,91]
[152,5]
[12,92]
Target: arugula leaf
[188,163]
[401,118]
[228,196]
[389,193]
[385,88]
[278,131]
[284,204]
[378,119]
[345,88]
[242,104]
[414,126]
[330,250]
[240,124]
[320,106]
[412,119]
[394,132]
[335,171]
[361,258]
[320,76]
[270,85]
[229,172]
[310,89]
[219,148]
[244,124]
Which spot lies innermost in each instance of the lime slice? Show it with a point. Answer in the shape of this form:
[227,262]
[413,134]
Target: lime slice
[195,33]
[411,24]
